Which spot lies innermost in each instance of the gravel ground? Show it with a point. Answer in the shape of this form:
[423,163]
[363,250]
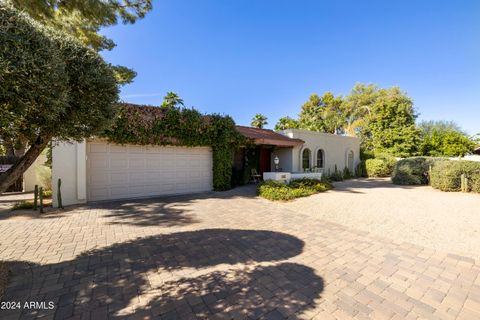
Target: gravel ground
[416,214]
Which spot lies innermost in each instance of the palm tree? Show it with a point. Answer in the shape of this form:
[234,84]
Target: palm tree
[259,121]
[172,100]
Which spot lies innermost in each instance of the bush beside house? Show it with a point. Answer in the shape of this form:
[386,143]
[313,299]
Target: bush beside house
[412,171]
[274,190]
[380,166]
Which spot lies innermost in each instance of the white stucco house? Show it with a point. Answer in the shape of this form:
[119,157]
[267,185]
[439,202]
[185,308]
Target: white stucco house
[319,152]
[95,170]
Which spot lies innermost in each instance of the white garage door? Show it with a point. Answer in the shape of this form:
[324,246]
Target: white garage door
[130,171]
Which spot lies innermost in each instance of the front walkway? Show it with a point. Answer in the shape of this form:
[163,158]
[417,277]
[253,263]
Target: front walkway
[225,255]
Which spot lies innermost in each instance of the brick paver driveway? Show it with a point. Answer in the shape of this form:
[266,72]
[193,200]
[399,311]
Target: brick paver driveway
[225,255]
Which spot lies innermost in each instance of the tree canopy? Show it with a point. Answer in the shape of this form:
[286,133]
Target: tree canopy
[322,114]
[259,121]
[84,19]
[384,119]
[51,86]
[286,123]
[444,138]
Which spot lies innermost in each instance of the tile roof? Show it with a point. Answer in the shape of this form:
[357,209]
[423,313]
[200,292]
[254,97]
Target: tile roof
[266,136]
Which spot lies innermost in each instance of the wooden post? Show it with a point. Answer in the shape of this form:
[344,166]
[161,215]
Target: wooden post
[41,199]
[35,198]
[463,183]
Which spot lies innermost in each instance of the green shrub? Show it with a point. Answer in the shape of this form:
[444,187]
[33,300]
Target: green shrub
[446,175]
[474,182]
[346,173]
[379,167]
[336,175]
[275,190]
[47,194]
[361,170]
[22,205]
[411,171]
[414,170]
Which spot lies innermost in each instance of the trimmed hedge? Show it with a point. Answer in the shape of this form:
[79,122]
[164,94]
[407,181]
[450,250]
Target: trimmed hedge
[446,175]
[475,182]
[412,171]
[381,166]
[275,190]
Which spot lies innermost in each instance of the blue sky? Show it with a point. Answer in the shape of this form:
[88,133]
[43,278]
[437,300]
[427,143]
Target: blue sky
[247,56]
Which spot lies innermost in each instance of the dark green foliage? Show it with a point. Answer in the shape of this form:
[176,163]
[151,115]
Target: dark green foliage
[84,19]
[346,173]
[336,175]
[52,86]
[447,175]
[412,171]
[274,190]
[361,170]
[180,126]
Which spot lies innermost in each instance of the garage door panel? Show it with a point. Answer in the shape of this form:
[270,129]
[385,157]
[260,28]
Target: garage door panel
[116,148]
[97,148]
[117,164]
[129,171]
[118,178]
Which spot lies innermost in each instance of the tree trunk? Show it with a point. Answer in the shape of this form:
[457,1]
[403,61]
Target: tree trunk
[8,178]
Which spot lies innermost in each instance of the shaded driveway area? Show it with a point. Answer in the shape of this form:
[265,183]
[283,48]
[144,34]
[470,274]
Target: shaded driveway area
[225,255]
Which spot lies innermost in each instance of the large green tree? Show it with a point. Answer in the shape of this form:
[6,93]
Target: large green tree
[392,124]
[259,121]
[322,113]
[357,109]
[51,86]
[444,138]
[83,19]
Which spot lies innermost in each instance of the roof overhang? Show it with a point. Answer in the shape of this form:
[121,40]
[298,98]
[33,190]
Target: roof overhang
[279,143]
[268,137]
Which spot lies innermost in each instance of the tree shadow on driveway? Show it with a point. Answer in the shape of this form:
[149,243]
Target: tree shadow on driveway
[194,274]
[167,211]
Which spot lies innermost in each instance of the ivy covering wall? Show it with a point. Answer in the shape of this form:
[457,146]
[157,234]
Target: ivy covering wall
[147,125]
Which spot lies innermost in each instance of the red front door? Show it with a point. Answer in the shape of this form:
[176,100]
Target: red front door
[265,161]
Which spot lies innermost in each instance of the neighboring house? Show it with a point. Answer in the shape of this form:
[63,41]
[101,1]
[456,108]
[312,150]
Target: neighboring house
[95,170]
[477,151]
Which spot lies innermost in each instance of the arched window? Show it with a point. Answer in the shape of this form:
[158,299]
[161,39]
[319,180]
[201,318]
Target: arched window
[350,162]
[320,159]
[306,159]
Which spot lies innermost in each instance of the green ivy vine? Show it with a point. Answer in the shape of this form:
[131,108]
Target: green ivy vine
[147,125]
